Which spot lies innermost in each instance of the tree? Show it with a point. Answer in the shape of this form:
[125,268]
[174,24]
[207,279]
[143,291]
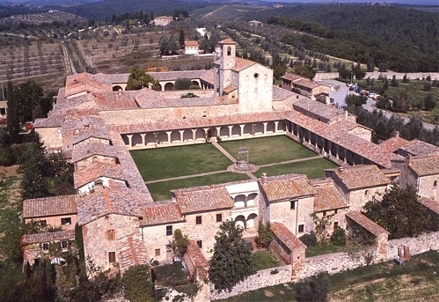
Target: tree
[164,46]
[278,66]
[394,82]
[137,284]
[399,212]
[338,238]
[138,79]
[355,100]
[29,95]
[320,225]
[265,235]
[173,45]
[181,38]
[231,260]
[182,84]
[429,102]
[314,289]
[13,120]
[180,243]
[305,70]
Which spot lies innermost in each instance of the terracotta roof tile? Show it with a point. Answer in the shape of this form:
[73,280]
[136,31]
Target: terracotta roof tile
[287,238]
[190,43]
[393,144]
[361,176]
[97,170]
[200,262]
[205,198]
[425,165]
[49,206]
[227,41]
[173,75]
[419,148]
[115,100]
[430,204]
[131,251]
[291,77]
[366,223]
[286,186]
[160,213]
[241,64]
[47,237]
[84,82]
[93,148]
[114,200]
[327,197]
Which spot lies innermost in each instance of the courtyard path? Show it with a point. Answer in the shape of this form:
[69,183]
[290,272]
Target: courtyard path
[233,160]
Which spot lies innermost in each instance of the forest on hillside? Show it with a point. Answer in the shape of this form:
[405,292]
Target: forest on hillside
[395,38]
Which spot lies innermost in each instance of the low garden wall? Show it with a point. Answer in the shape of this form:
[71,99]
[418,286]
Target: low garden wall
[417,245]
[262,278]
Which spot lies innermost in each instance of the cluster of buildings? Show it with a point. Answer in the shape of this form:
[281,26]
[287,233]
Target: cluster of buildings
[95,122]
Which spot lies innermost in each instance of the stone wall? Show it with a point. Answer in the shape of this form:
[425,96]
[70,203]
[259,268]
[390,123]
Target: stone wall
[417,245]
[262,278]
[376,75]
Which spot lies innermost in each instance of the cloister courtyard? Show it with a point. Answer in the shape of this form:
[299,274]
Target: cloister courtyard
[164,169]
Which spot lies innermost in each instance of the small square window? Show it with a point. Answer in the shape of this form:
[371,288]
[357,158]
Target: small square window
[292,204]
[112,257]
[198,220]
[169,230]
[66,221]
[366,192]
[324,213]
[200,243]
[157,252]
[301,228]
[219,217]
[64,245]
[435,183]
[111,234]
[335,225]
[43,223]
[335,211]
[45,246]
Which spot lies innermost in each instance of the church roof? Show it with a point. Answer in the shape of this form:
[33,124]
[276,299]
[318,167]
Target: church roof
[286,186]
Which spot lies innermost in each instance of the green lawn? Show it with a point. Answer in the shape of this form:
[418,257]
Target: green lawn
[328,249]
[263,260]
[313,168]
[267,150]
[161,190]
[178,161]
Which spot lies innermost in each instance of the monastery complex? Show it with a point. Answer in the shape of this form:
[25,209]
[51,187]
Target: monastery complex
[95,122]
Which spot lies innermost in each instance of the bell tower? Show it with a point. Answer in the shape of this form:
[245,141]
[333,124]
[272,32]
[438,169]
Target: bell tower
[226,55]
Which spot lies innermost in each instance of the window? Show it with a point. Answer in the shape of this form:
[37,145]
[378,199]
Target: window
[43,223]
[45,246]
[64,245]
[435,183]
[111,234]
[335,225]
[157,252]
[229,51]
[366,192]
[198,220]
[324,213]
[169,230]
[335,211]
[112,257]
[66,221]
[292,204]
[301,228]
[219,217]
[200,243]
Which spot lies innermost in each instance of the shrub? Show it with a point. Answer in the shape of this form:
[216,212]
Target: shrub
[309,239]
[182,84]
[338,238]
[314,289]
[265,235]
[137,284]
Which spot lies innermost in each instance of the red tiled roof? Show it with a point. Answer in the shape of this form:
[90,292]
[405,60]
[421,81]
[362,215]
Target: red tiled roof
[420,148]
[241,64]
[84,82]
[200,262]
[93,148]
[327,197]
[47,237]
[97,170]
[286,186]
[361,176]
[393,144]
[205,198]
[291,77]
[131,251]
[49,206]
[190,43]
[426,165]
[366,223]
[160,213]
[430,204]
[287,238]
[227,41]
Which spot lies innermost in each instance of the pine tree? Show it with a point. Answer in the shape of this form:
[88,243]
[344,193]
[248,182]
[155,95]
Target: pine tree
[13,120]
[231,260]
[181,38]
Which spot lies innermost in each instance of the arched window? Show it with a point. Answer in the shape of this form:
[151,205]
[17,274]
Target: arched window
[229,51]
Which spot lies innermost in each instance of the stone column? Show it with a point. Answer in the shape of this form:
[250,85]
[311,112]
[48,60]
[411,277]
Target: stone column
[230,130]
[265,127]
[181,135]
[143,138]
[169,136]
[218,132]
[130,140]
[194,134]
[276,123]
[242,129]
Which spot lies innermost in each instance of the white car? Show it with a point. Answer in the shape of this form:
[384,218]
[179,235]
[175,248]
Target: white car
[373,95]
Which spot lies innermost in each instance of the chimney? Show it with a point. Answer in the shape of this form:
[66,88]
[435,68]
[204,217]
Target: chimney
[396,134]
[264,178]
[340,169]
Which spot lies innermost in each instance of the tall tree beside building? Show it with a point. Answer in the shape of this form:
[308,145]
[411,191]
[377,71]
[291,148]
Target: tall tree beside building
[29,95]
[399,212]
[13,120]
[181,38]
[138,79]
[231,260]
